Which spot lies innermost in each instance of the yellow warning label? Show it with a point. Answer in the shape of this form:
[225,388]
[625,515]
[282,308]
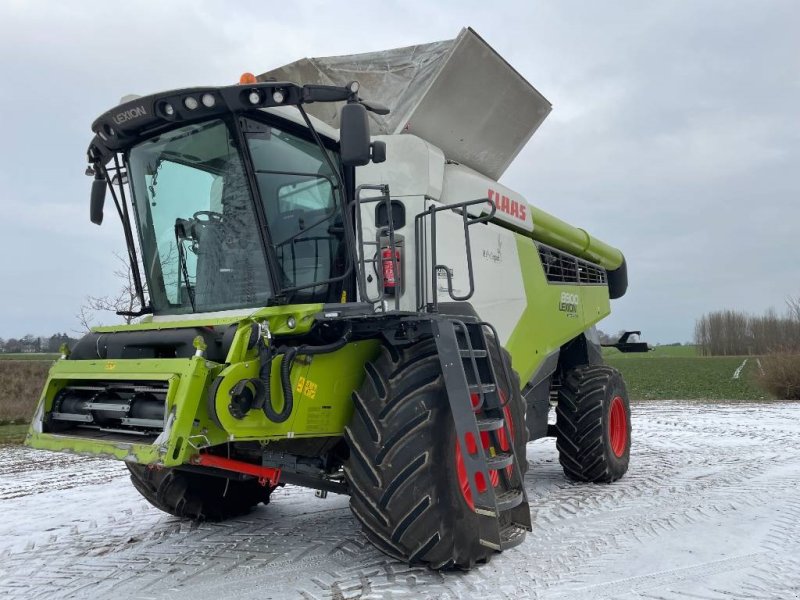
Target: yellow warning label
[306,387]
[310,389]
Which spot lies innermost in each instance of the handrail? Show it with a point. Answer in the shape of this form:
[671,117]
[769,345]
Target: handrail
[468,221]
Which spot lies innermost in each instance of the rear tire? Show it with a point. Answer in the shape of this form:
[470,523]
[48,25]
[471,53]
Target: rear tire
[593,424]
[197,496]
[402,468]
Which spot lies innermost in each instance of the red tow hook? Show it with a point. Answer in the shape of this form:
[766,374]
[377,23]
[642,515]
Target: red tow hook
[266,475]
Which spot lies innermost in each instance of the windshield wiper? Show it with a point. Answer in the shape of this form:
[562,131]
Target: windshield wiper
[179,227]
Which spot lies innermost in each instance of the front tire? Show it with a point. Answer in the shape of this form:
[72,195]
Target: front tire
[197,496]
[593,424]
[402,471]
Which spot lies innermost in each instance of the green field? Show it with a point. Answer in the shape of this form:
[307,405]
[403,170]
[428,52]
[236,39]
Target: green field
[21,383]
[656,352]
[12,434]
[29,356]
[678,372]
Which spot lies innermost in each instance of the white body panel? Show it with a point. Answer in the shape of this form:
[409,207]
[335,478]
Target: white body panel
[462,183]
[414,172]
[413,167]
[499,293]
[418,175]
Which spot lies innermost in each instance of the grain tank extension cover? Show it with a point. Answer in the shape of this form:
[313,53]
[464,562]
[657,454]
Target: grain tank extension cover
[459,95]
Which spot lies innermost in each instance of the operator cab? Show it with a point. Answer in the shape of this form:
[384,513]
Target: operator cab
[199,228]
[234,206]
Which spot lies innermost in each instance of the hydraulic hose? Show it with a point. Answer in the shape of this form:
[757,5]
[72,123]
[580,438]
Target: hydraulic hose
[289,353]
[286,387]
[265,378]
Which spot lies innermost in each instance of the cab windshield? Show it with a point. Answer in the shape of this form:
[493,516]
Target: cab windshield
[202,246]
[200,241]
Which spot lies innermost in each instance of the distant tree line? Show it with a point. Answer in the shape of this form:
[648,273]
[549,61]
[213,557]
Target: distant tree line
[730,332]
[33,344]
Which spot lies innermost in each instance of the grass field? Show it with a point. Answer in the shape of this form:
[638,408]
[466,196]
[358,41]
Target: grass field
[657,352]
[678,372]
[29,356]
[21,383]
[13,434]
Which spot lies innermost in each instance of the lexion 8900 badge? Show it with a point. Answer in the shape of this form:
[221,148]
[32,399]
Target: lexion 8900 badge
[568,304]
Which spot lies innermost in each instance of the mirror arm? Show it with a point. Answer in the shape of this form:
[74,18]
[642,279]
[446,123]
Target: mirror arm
[325,93]
[375,107]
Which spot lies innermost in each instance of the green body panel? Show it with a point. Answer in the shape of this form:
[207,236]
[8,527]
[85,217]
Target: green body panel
[321,387]
[277,316]
[547,322]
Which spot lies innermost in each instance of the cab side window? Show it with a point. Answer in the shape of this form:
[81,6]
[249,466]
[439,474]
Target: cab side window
[297,191]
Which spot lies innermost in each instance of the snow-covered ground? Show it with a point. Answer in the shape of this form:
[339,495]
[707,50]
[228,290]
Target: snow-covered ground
[709,509]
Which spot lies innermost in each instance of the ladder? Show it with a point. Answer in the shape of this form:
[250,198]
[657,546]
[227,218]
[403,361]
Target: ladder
[477,405]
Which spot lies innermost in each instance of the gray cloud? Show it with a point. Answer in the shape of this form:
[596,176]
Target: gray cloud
[675,131]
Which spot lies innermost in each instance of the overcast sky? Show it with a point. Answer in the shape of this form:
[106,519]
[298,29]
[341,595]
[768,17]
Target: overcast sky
[675,131]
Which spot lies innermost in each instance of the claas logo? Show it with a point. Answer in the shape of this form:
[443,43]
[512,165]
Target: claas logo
[504,204]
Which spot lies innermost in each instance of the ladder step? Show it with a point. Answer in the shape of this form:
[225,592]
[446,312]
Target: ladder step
[499,461]
[512,535]
[487,388]
[475,353]
[509,499]
[490,424]
[505,501]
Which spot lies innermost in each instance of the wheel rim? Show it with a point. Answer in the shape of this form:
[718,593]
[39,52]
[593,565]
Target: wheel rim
[618,426]
[494,476]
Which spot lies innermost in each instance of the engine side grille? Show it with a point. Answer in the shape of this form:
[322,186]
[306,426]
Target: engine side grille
[560,267]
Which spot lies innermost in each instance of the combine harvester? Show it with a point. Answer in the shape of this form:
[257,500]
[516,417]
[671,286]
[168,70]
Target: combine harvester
[344,298]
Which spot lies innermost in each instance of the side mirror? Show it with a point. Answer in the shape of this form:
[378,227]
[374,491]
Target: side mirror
[98,199]
[378,152]
[354,142]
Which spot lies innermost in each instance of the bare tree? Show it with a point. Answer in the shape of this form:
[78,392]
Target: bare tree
[794,308]
[125,300]
[727,332]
